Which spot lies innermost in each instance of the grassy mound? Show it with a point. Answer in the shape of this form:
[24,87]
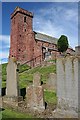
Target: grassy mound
[26,74]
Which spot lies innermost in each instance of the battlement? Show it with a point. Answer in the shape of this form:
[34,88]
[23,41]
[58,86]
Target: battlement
[22,11]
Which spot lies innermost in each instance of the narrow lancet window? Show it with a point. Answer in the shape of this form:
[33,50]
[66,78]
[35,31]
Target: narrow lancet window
[25,19]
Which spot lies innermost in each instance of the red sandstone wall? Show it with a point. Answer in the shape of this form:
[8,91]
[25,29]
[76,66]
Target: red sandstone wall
[22,38]
[23,45]
[38,50]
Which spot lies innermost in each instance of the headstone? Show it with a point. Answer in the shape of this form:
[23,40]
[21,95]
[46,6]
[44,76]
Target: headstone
[36,79]
[52,82]
[67,85]
[12,79]
[35,95]
[12,97]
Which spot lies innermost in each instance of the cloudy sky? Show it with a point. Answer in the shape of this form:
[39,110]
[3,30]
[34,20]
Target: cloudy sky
[52,18]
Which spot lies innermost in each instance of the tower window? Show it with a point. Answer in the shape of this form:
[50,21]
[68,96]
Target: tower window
[25,19]
[14,20]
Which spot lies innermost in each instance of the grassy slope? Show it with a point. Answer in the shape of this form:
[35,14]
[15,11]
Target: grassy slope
[26,76]
[4,74]
[25,79]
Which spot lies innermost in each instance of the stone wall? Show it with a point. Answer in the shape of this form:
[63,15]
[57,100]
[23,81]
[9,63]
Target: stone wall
[67,82]
[22,35]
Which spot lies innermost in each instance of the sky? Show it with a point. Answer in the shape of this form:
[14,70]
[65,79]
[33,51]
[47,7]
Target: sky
[51,18]
[41,0]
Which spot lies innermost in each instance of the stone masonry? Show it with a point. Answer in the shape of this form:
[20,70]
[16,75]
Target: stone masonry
[27,45]
[35,96]
[22,36]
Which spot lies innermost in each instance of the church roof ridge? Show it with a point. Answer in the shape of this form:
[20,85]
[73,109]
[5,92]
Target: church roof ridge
[45,37]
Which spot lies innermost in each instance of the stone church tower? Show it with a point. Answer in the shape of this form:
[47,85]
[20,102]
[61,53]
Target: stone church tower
[27,45]
[22,35]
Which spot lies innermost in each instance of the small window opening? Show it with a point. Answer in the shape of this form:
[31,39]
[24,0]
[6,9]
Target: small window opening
[14,20]
[12,55]
[20,35]
[19,50]
[25,30]
[24,19]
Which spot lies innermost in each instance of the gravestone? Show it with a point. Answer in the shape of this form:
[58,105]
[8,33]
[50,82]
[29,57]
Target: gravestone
[35,96]
[52,81]
[12,97]
[12,79]
[36,79]
[67,86]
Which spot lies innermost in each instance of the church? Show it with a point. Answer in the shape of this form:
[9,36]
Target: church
[28,46]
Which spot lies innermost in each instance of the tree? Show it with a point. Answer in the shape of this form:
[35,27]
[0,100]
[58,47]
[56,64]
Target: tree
[62,43]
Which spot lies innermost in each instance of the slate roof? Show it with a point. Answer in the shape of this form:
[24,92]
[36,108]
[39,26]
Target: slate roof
[45,38]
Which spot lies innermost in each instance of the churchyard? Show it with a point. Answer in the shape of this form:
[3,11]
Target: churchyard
[26,79]
[37,97]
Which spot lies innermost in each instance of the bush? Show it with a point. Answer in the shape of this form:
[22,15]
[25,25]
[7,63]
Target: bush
[62,43]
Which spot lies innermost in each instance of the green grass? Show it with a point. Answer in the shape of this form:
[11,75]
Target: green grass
[50,97]
[23,68]
[4,71]
[26,78]
[26,74]
[0,115]
[8,113]
[54,61]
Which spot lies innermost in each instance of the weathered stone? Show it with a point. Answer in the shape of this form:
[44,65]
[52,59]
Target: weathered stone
[67,83]
[36,79]
[52,82]
[12,79]
[12,101]
[77,50]
[35,98]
